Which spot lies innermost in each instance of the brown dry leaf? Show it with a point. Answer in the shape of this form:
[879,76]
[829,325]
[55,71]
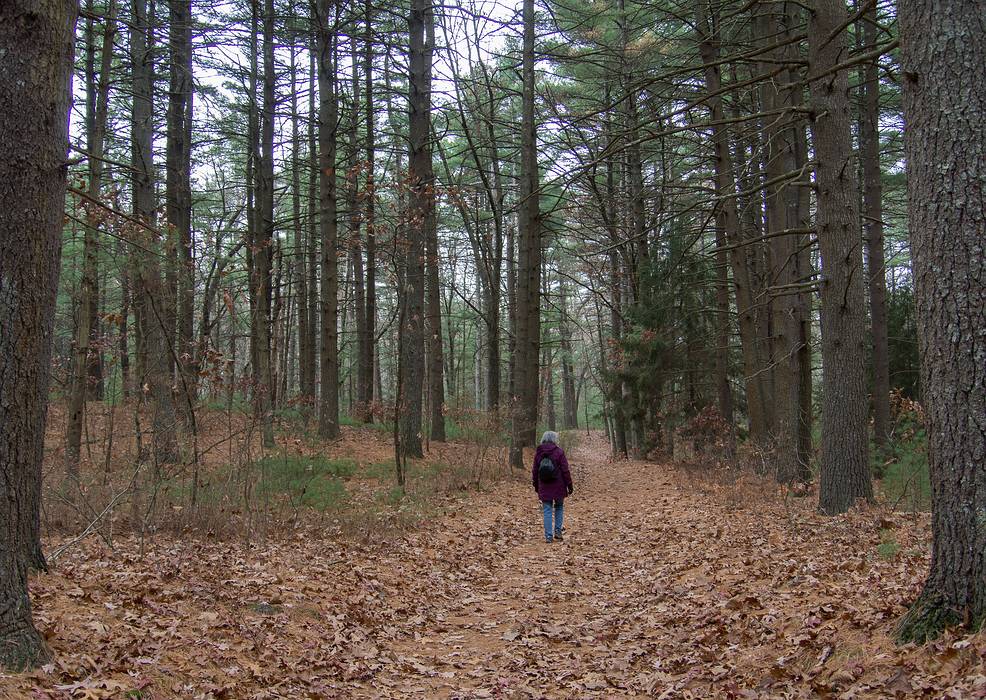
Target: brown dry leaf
[662,587]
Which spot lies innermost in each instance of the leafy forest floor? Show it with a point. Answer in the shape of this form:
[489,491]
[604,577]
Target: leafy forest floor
[669,584]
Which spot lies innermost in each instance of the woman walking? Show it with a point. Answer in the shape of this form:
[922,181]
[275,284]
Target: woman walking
[552,482]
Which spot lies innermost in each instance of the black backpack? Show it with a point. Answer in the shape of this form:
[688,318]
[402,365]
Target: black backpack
[547,472]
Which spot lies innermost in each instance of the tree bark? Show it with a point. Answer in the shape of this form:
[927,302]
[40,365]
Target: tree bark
[306,380]
[368,341]
[261,288]
[945,145]
[328,417]
[869,146]
[36,43]
[433,310]
[528,285]
[420,213]
[845,470]
[784,213]
[150,301]
[314,233]
[97,97]
[178,209]
[728,220]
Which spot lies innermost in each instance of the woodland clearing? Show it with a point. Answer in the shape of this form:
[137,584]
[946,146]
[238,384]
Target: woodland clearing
[669,583]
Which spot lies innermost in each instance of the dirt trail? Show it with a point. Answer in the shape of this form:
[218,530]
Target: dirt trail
[530,615]
[665,586]
[659,589]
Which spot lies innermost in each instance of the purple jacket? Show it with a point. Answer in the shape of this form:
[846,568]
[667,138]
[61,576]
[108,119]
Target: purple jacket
[554,490]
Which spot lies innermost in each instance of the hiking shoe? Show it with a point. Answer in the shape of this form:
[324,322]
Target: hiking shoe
[558,538]
[548,540]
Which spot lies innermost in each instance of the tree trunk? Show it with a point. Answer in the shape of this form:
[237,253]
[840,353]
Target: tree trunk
[36,42]
[436,383]
[548,385]
[311,251]
[784,213]
[845,469]
[328,417]
[368,341]
[364,361]
[570,404]
[729,221]
[150,302]
[261,287]
[306,379]
[945,145]
[97,89]
[433,311]
[123,324]
[419,216]
[179,193]
[511,260]
[278,346]
[615,398]
[723,389]
[869,146]
[528,285]
[252,210]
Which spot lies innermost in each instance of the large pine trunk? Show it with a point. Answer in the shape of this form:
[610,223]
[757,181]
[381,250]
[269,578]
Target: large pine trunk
[179,192]
[433,309]
[328,417]
[420,213]
[360,402]
[728,221]
[528,285]
[150,298]
[301,276]
[36,41]
[946,165]
[845,469]
[615,399]
[785,213]
[261,287]
[368,340]
[869,146]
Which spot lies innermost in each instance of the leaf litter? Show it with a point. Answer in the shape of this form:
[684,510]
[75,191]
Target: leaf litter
[662,588]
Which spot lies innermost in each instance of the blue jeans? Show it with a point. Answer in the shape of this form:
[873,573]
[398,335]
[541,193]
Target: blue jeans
[558,508]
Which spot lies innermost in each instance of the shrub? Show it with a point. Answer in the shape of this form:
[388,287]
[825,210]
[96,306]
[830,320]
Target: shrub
[313,481]
[905,464]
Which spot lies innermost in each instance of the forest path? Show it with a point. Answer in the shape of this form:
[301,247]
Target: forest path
[536,619]
[668,584]
[665,586]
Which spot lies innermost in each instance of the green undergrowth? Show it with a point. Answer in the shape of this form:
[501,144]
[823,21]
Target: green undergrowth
[295,483]
[313,481]
[423,474]
[902,466]
[888,547]
[906,480]
[278,479]
[359,497]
